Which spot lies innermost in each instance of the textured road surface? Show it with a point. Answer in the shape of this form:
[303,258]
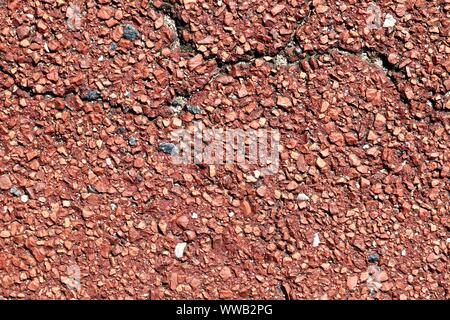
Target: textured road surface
[92,207]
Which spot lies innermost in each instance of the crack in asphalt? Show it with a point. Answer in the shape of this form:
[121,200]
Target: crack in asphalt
[30,90]
[49,94]
[189,46]
[372,57]
[389,69]
[376,59]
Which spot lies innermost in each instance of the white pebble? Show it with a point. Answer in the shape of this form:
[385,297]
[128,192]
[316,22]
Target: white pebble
[316,240]
[179,250]
[66,203]
[24,198]
[194,215]
[389,21]
[302,197]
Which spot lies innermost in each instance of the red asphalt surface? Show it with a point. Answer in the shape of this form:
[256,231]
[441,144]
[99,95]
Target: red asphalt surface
[91,207]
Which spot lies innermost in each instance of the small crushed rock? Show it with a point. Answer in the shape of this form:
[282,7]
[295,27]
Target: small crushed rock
[179,250]
[92,95]
[316,240]
[130,32]
[15,192]
[168,148]
[302,197]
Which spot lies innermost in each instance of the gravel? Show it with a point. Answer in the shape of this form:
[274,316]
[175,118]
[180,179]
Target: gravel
[302,197]
[193,109]
[389,21]
[130,32]
[363,120]
[179,250]
[5,182]
[24,198]
[373,258]
[168,148]
[316,240]
[92,95]
[15,192]
[132,141]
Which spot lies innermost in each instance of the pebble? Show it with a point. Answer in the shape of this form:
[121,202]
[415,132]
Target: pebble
[183,221]
[168,148]
[179,250]
[24,198]
[316,240]
[66,203]
[302,197]
[105,13]
[15,192]
[380,120]
[389,21]
[130,32]
[193,109]
[22,32]
[321,163]
[5,183]
[92,95]
[432,257]
[132,142]
[352,282]
[373,258]
[225,273]
[5,234]
[87,213]
[113,46]
[195,62]
[284,101]
[246,208]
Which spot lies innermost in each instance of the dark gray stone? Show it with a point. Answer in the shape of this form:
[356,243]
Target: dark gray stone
[168,148]
[132,141]
[373,258]
[193,109]
[92,95]
[15,192]
[130,32]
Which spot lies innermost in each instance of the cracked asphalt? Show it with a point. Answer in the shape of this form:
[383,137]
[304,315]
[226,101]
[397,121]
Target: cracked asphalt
[92,205]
